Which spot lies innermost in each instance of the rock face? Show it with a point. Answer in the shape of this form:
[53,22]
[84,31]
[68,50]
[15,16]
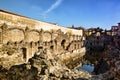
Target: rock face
[10,55]
[40,67]
[108,68]
[101,67]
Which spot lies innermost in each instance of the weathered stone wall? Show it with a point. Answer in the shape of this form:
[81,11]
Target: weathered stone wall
[21,21]
[32,35]
[15,35]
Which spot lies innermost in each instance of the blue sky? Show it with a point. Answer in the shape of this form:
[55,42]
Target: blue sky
[86,13]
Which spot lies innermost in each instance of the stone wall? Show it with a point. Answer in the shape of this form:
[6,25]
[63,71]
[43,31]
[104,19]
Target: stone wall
[13,19]
[32,35]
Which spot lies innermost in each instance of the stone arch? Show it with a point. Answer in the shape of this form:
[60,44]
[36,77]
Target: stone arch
[15,34]
[33,36]
[47,36]
[34,30]
[62,41]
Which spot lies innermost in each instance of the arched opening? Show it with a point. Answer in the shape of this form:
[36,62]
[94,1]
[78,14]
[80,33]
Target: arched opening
[52,47]
[63,43]
[24,50]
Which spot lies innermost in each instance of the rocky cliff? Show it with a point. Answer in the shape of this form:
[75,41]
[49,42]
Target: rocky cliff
[41,67]
[108,67]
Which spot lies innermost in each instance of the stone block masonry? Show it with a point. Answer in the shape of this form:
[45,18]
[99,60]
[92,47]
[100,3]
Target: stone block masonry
[32,35]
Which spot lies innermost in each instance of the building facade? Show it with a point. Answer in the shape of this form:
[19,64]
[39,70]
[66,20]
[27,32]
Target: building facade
[116,30]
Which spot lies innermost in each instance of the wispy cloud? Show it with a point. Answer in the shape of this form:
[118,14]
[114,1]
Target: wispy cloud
[50,9]
[53,6]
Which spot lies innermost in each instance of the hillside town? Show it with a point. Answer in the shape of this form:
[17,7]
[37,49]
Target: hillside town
[104,51]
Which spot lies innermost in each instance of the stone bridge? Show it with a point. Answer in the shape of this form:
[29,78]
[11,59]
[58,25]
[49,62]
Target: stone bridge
[32,35]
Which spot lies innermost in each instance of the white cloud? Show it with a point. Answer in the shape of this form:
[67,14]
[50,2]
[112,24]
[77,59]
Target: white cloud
[53,6]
